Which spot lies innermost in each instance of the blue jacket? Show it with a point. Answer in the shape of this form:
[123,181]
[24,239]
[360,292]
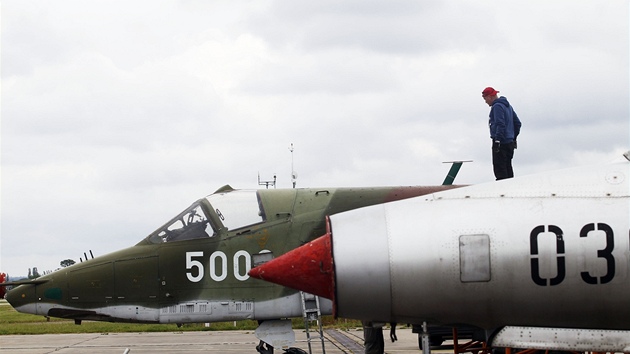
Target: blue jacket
[504,123]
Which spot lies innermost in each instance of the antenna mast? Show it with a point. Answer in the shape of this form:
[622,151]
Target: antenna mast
[267,183]
[293,173]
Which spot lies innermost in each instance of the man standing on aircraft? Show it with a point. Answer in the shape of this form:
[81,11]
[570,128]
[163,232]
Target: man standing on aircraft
[504,128]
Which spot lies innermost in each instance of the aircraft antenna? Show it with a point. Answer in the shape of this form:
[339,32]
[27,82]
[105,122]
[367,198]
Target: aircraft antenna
[267,183]
[293,173]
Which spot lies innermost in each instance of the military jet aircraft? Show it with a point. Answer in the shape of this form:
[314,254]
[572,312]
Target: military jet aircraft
[193,269]
[540,261]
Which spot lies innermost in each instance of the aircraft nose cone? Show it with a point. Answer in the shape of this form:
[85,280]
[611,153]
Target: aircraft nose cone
[307,268]
[20,296]
[11,297]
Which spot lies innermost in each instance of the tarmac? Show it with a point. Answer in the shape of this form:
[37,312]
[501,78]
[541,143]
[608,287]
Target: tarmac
[335,342]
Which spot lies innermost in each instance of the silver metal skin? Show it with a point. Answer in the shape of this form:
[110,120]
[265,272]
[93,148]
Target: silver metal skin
[362,264]
[546,250]
[577,340]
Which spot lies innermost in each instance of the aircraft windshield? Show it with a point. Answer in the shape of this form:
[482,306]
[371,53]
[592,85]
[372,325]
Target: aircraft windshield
[190,224]
[238,208]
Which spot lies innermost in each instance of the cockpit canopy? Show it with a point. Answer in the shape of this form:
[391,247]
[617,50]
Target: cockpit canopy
[237,209]
[229,210]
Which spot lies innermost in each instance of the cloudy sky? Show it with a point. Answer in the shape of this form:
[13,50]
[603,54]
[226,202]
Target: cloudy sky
[117,115]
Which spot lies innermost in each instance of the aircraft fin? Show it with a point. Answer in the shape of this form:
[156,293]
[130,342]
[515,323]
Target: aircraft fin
[452,173]
[225,188]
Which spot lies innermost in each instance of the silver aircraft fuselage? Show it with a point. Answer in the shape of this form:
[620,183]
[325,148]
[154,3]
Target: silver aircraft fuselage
[550,250]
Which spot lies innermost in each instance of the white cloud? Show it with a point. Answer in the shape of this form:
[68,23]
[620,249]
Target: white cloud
[114,121]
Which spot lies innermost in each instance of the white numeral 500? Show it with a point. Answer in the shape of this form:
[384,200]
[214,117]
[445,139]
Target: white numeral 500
[217,273]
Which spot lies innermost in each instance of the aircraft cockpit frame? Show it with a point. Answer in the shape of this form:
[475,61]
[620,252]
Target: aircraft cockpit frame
[208,217]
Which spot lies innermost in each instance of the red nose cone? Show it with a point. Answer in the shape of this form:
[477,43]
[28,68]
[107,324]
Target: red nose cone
[307,268]
[3,278]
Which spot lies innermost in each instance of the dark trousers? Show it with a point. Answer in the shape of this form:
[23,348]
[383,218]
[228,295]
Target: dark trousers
[502,161]
[373,339]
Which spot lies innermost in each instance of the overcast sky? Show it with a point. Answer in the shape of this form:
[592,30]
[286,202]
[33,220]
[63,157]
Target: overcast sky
[117,115]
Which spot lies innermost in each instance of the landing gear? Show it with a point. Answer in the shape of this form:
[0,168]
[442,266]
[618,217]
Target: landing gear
[274,333]
[425,340]
[264,348]
[294,351]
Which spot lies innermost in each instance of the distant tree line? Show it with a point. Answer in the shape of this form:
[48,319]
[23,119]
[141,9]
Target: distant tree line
[66,263]
[34,273]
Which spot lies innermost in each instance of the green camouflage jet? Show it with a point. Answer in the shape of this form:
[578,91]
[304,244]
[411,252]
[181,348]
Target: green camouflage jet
[193,269]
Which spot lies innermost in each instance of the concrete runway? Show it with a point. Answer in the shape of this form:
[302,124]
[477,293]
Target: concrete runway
[193,342]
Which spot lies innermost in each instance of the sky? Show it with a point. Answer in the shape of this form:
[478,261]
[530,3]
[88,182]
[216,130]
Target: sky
[117,115]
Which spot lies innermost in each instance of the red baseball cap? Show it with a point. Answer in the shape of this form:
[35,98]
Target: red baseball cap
[488,91]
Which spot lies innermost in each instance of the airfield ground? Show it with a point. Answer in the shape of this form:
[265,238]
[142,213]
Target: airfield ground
[190,343]
[183,342]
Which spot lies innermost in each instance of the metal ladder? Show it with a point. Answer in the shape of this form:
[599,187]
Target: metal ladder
[311,312]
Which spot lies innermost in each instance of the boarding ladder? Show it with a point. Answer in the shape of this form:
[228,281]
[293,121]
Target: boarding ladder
[312,313]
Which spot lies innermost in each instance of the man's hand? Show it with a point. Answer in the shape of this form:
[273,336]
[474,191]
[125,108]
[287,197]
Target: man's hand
[495,146]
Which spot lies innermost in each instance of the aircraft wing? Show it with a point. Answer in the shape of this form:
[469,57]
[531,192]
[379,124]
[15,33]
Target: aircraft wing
[24,282]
